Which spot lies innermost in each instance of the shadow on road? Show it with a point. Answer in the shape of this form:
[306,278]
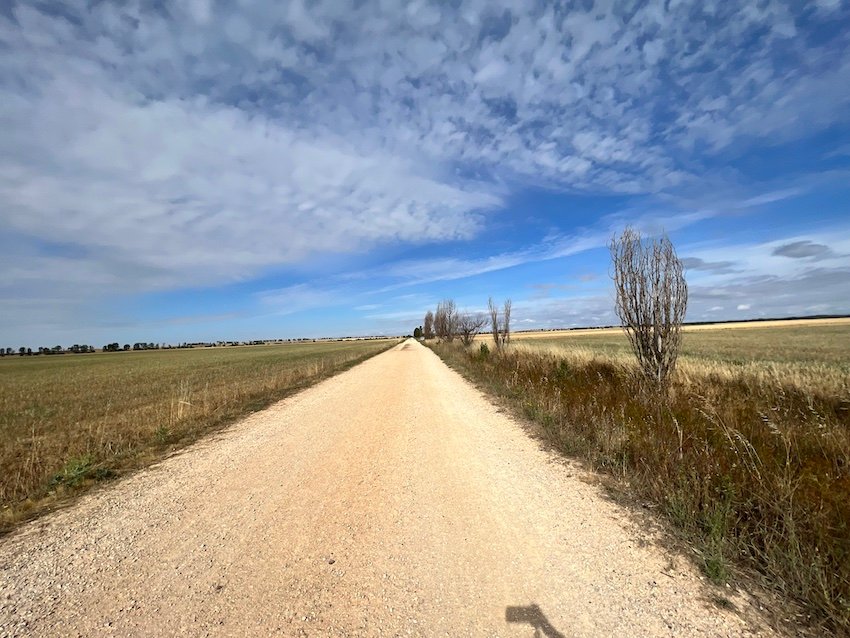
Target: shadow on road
[535,617]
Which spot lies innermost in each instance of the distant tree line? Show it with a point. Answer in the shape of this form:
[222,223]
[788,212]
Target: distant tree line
[115,346]
[46,350]
[447,323]
[141,345]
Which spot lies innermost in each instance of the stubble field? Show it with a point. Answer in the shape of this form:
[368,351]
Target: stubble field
[809,354]
[70,421]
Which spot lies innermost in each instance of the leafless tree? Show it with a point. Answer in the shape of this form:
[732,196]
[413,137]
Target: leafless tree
[428,325]
[469,325]
[445,320]
[500,328]
[494,322]
[652,298]
[451,316]
[439,320]
[506,322]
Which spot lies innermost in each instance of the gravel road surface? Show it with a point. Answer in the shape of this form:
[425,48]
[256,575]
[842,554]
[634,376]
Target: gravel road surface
[391,500]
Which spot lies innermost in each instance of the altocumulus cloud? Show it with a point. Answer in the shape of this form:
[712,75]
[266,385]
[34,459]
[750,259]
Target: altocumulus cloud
[110,146]
[165,145]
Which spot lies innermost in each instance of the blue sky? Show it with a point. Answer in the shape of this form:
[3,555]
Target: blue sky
[176,171]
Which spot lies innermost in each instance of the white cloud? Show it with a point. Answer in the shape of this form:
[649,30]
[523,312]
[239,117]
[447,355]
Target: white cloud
[423,271]
[210,193]
[570,99]
[200,10]
[297,298]
[828,5]
[769,198]
[762,275]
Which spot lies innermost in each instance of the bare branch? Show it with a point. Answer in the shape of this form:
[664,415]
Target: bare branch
[469,326]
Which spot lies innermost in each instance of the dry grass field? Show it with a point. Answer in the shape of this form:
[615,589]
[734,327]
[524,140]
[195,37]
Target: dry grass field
[69,421]
[813,354]
[748,457]
[729,325]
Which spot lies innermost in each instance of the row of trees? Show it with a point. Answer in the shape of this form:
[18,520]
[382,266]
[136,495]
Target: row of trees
[109,347]
[447,323]
[29,352]
[651,301]
[76,349]
[116,347]
[142,345]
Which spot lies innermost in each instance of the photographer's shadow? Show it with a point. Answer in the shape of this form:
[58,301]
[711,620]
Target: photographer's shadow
[535,617]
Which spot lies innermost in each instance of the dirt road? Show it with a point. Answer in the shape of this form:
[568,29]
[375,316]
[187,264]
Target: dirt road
[391,500]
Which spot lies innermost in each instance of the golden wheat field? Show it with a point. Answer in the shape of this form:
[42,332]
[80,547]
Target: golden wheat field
[808,353]
[68,421]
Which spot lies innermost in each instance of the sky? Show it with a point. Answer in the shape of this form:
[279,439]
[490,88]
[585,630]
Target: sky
[200,170]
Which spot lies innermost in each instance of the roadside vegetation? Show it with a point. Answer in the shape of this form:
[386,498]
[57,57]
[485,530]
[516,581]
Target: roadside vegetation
[742,443]
[69,422]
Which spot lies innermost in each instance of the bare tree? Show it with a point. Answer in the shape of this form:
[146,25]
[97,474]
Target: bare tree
[500,328]
[445,320]
[439,320]
[451,319]
[652,298]
[468,326]
[428,325]
[494,321]
[506,323]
